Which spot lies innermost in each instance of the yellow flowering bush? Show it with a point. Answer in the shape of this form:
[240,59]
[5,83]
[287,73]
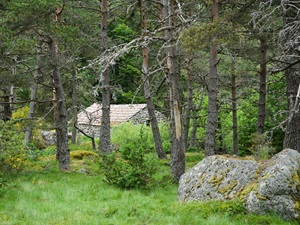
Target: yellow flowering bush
[22,123]
[14,163]
[12,149]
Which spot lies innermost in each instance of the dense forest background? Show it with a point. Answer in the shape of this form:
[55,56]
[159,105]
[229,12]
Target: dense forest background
[226,73]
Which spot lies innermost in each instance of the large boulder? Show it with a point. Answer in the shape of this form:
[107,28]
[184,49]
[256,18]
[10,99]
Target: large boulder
[272,185]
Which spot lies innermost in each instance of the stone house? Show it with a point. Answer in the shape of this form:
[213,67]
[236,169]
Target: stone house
[89,120]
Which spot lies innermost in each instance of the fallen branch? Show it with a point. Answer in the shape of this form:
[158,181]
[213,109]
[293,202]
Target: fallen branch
[87,135]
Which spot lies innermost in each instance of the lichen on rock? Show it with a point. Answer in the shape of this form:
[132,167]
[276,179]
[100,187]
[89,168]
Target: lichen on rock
[269,186]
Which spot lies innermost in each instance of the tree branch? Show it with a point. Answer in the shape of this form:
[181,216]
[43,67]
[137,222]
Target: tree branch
[85,134]
[26,101]
[285,68]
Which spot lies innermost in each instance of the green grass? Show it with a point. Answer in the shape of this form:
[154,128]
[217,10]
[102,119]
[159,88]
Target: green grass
[49,197]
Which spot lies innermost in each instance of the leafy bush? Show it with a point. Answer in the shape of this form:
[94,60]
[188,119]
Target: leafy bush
[21,124]
[12,149]
[135,163]
[120,134]
[133,167]
[135,172]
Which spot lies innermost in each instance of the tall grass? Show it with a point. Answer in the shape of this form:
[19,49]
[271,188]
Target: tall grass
[43,195]
[72,198]
[53,197]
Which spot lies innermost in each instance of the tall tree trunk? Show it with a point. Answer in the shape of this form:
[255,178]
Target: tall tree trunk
[212,116]
[189,106]
[262,86]
[291,17]
[33,95]
[104,143]
[177,147]
[150,106]
[12,96]
[74,103]
[60,113]
[195,117]
[220,147]
[7,112]
[234,111]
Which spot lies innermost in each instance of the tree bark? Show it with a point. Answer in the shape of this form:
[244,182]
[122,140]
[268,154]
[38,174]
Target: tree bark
[290,45]
[177,147]
[87,135]
[60,113]
[33,95]
[74,103]
[234,111]
[7,112]
[195,124]
[147,92]
[212,116]
[262,86]
[189,106]
[104,143]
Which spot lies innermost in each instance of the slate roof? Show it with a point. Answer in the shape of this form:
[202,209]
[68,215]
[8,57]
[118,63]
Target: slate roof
[118,114]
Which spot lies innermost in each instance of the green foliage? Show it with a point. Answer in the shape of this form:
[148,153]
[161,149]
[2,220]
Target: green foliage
[30,197]
[126,78]
[209,208]
[121,32]
[12,149]
[134,169]
[120,134]
[198,37]
[21,124]
[192,158]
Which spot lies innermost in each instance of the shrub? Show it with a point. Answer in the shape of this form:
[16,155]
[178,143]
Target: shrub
[133,167]
[120,134]
[12,149]
[21,124]
[80,154]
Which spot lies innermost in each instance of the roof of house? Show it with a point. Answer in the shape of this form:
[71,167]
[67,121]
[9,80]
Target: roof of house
[118,113]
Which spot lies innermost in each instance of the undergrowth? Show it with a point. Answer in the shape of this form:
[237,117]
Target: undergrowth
[52,197]
[41,194]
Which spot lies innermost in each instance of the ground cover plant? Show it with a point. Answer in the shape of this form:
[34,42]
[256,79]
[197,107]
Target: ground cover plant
[43,195]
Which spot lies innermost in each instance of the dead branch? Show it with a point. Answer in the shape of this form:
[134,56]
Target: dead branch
[26,101]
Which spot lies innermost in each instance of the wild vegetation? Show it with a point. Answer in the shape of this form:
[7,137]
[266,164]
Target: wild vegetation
[225,74]
[37,194]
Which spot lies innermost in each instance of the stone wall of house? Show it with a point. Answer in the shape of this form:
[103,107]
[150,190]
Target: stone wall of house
[90,130]
[142,117]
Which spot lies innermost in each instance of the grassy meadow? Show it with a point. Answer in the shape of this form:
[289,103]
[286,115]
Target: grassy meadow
[41,194]
[47,196]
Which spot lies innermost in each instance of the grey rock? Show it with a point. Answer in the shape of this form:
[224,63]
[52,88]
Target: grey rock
[216,177]
[83,171]
[272,185]
[49,137]
[278,186]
